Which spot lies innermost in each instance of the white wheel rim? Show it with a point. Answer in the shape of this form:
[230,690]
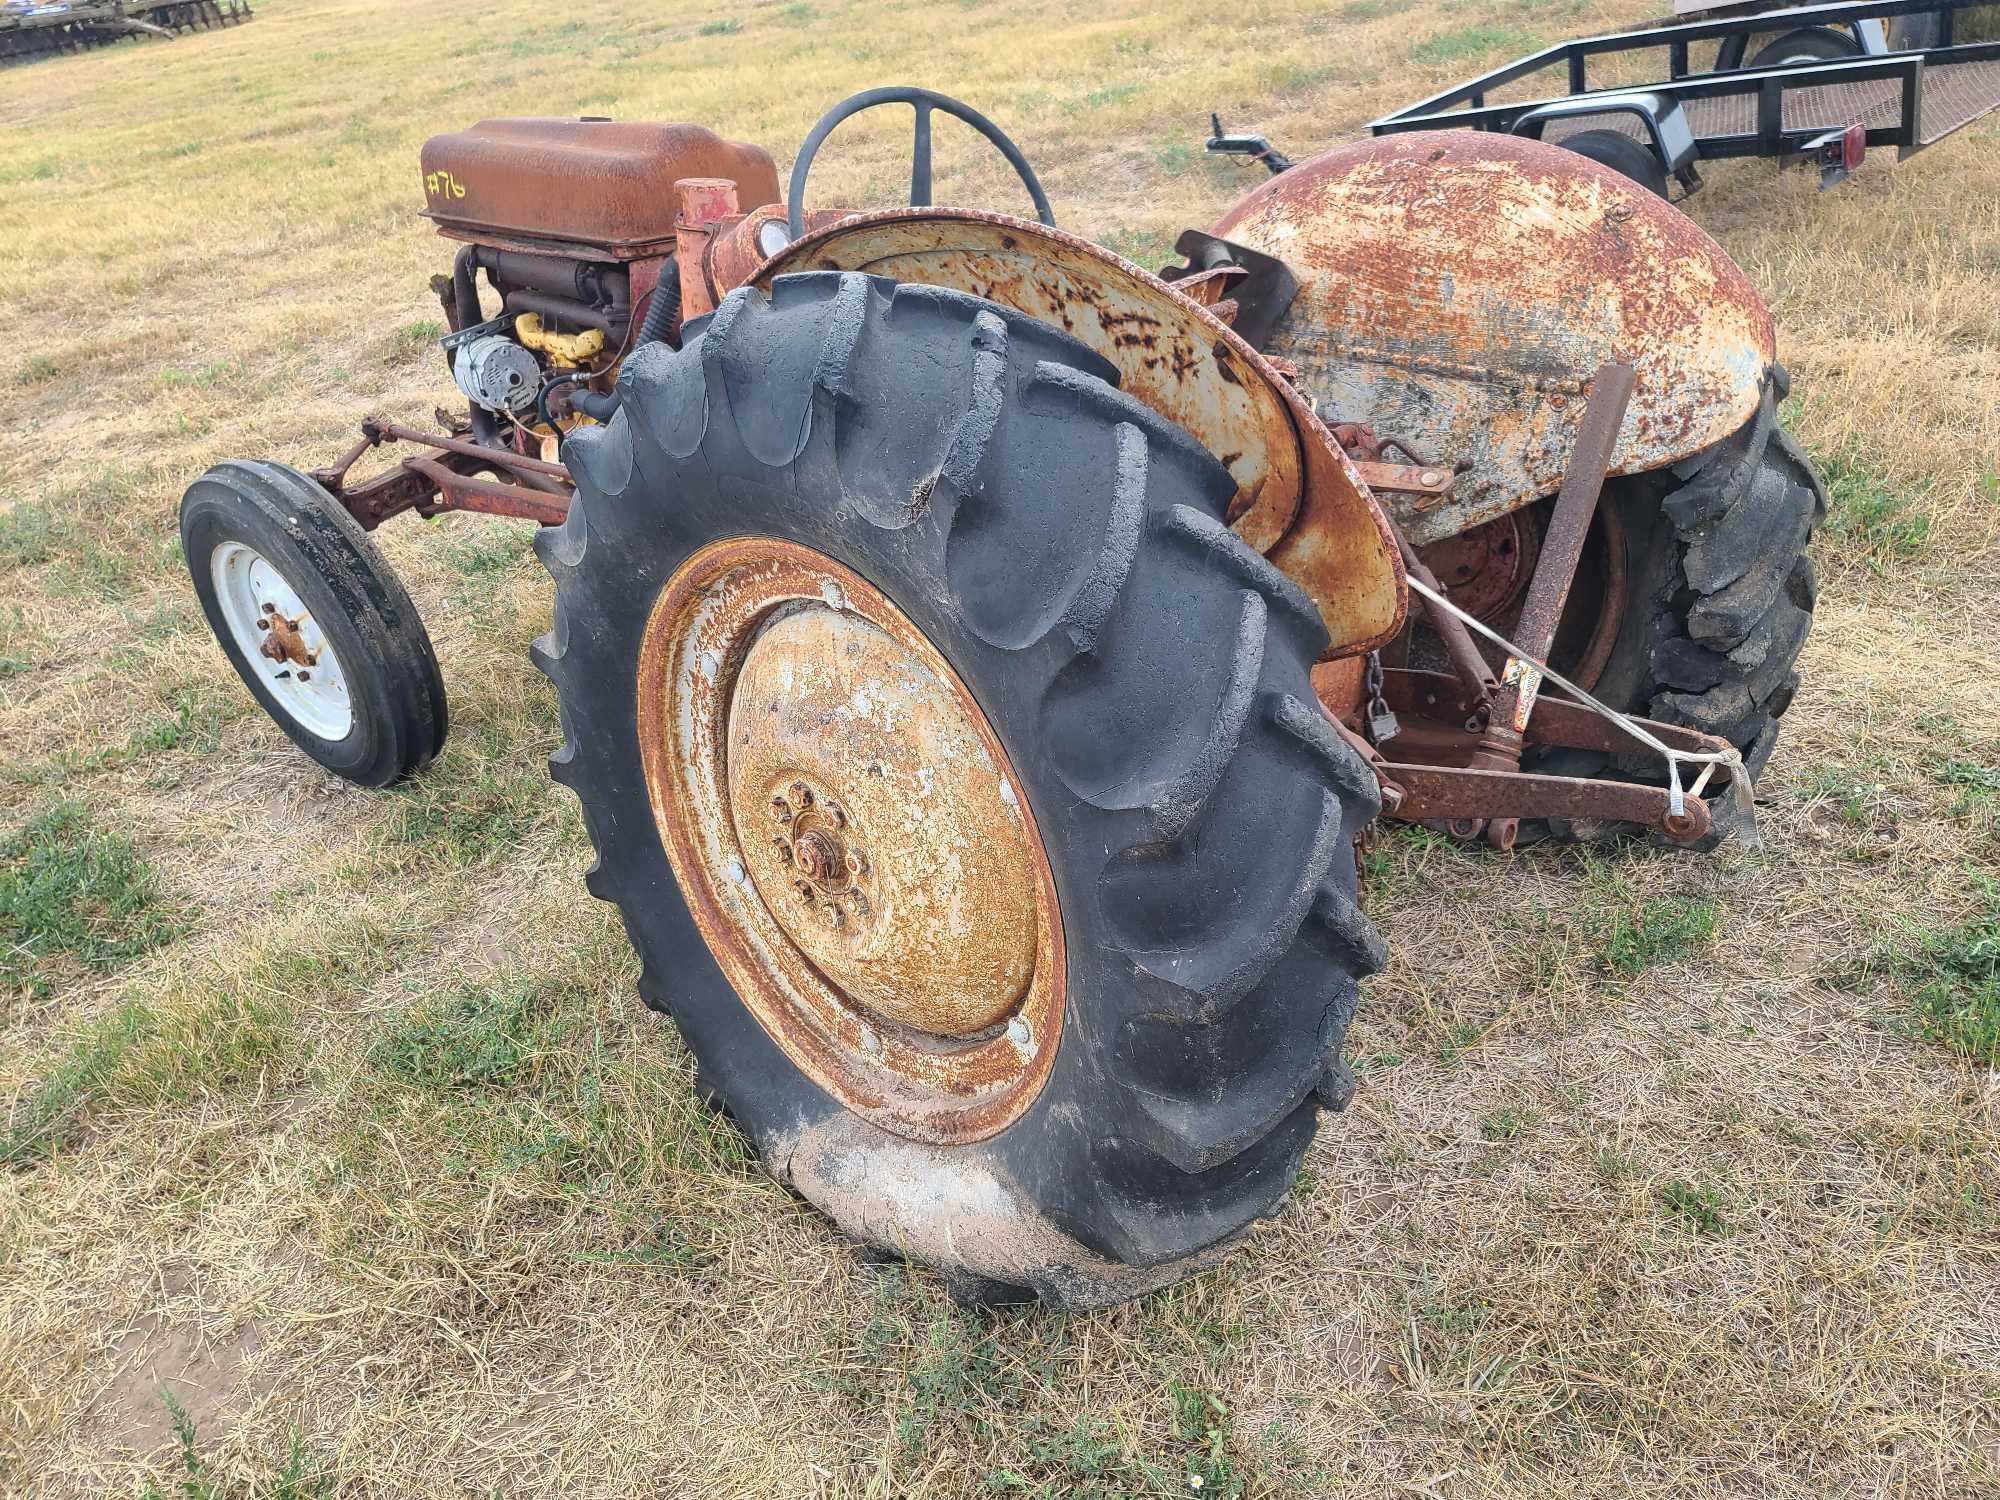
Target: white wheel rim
[251,593]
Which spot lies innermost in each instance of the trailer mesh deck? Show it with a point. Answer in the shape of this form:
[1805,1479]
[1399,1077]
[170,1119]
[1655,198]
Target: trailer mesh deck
[1954,95]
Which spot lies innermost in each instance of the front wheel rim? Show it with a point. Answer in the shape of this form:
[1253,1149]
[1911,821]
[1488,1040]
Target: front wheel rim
[280,642]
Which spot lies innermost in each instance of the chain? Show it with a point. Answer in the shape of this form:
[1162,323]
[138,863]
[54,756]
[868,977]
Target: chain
[1382,722]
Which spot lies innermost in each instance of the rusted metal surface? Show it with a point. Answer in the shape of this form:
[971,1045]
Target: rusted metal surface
[875,827]
[602,185]
[456,491]
[1548,590]
[961,927]
[1460,289]
[1403,479]
[1430,771]
[1438,696]
[283,640]
[1576,508]
[446,481]
[1466,660]
[1298,499]
[397,432]
[1451,794]
[1486,570]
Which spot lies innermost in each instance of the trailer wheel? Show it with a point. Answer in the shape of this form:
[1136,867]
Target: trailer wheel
[1015,918]
[1808,44]
[1618,151]
[1719,596]
[314,621]
[1804,45]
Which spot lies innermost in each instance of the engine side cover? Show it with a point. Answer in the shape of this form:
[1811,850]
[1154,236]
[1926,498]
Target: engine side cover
[605,185]
[1459,289]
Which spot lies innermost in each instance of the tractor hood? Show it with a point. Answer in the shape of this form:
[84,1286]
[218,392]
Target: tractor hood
[1458,290]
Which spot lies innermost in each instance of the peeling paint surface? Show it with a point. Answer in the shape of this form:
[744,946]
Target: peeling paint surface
[1459,289]
[1298,498]
[831,802]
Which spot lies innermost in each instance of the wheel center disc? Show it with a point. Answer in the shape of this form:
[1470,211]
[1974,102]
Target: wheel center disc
[852,840]
[875,824]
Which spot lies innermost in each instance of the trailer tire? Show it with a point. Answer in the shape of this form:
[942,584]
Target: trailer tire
[1061,547]
[1720,595]
[1625,156]
[1805,44]
[1808,44]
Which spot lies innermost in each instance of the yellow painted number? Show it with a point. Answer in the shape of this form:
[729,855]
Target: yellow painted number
[443,185]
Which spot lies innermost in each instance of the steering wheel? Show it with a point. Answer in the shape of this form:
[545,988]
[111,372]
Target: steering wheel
[925,101]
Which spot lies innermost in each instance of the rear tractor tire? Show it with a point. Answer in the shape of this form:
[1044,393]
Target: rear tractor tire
[1016,920]
[1720,594]
[314,620]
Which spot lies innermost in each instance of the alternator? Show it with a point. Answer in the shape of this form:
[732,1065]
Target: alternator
[492,369]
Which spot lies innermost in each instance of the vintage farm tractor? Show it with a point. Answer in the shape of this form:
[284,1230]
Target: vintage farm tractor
[978,657]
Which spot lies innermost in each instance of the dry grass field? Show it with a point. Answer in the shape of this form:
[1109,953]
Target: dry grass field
[333,1117]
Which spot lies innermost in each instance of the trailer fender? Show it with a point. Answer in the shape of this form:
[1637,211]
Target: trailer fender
[1459,289]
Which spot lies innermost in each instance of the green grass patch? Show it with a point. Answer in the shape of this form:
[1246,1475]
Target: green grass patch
[1872,521]
[469,819]
[27,536]
[74,897]
[1508,1124]
[223,372]
[1953,973]
[719,28]
[1471,41]
[1663,930]
[146,1052]
[1147,248]
[1854,796]
[1699,1207]
[413,341]
[36,369]
[472,1038]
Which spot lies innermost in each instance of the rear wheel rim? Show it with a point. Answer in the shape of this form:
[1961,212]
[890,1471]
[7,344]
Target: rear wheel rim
[854,843]
[280,641]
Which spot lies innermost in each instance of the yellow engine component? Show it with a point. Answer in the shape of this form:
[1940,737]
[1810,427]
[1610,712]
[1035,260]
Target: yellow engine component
[566,351]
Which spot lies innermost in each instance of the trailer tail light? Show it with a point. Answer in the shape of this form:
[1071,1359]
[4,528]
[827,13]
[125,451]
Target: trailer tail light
[1853,145]
[1839,154]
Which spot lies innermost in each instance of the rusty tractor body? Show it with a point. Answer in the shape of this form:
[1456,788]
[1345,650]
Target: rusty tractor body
[1473,356]
[1416,409]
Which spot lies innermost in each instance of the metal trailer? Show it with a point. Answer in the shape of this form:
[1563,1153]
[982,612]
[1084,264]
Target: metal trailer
[1839,79]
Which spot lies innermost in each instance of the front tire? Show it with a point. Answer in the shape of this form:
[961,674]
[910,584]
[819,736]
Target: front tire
[1061,548]
[314,621]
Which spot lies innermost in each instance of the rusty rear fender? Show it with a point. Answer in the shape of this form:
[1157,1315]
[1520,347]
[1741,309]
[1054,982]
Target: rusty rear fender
[1299,500]
[1457,290]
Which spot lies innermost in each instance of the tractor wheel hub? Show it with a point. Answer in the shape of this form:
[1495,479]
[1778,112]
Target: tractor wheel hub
[875,826]
[855,846]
